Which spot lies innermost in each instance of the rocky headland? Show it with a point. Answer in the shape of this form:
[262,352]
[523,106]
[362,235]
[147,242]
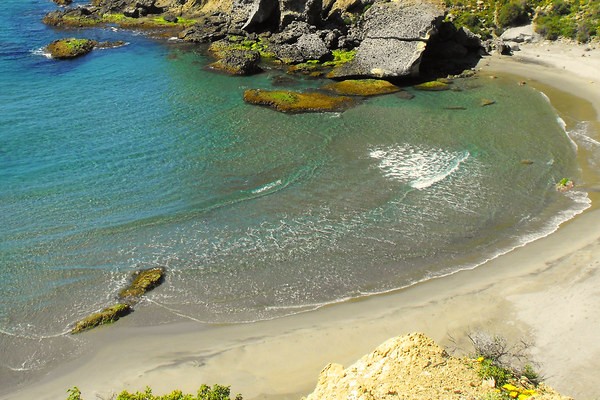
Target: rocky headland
[415,367]
[346,39]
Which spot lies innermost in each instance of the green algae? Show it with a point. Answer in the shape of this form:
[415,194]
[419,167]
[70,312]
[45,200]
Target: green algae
[362,87]
[117,19]
[432,86]
[106,316]
[296,102]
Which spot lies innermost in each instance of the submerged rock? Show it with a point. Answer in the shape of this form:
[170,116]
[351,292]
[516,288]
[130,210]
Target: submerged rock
[433,86]
[106,316]
[296,102]
[70,48]
[143,281]
[362,87]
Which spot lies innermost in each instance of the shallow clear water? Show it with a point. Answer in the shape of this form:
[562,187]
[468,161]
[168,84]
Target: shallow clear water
[138,157]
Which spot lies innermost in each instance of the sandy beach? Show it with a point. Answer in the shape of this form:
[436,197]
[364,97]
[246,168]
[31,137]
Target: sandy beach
[547,292]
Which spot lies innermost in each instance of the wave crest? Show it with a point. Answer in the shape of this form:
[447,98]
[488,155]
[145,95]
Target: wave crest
[418,167]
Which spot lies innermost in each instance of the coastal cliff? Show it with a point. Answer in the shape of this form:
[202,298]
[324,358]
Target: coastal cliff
[415,367]
[369,39]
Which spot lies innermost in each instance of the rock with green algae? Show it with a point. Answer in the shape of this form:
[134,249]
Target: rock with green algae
[362,87]
[143,281]
[433,86]
[70,48]
[296,102]
[238,62]
[106,316]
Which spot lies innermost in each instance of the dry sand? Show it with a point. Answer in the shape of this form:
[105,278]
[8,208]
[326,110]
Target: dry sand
[547,291]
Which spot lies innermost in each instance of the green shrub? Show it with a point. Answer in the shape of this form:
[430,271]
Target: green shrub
[530,373]
[559,7]
[217,392]
[512,14]
[489,369]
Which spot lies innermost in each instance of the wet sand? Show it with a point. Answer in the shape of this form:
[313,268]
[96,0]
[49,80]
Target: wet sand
[547,292]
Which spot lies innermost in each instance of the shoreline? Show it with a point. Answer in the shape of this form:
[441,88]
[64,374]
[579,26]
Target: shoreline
[512,295]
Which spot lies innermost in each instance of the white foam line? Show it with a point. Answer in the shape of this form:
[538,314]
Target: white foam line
[176,312]
[35,337]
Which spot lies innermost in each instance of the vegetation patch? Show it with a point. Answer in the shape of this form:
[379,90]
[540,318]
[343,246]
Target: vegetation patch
[362,87]
[106,316]
[234,42]
[217,392]
[296,102]
[564,185]
[573,19]
[70,48]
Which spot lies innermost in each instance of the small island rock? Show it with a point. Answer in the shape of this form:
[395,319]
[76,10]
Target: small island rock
[70,48]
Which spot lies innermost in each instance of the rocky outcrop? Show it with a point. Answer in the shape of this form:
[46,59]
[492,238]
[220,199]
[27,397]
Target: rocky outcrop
[70,48]
[238,62]
[395,35]
[414,367]
[142,282]
[106,316]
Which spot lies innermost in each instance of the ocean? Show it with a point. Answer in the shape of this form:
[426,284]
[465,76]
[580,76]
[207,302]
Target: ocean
[140,156]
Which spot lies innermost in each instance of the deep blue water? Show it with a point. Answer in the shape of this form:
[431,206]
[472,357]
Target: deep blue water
[139,156]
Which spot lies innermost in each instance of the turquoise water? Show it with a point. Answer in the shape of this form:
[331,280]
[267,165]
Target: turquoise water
[139,156]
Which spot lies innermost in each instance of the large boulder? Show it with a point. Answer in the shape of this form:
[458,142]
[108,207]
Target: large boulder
[521,34]
[395,35]
[70,48]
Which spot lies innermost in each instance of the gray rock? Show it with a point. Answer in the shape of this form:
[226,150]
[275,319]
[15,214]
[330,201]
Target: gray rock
[300,10]
[207,29]
[312,47]
[513,46]
[502,48]
[395,36]
[520,34]
[292,32]
[259,12]
[132,12]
